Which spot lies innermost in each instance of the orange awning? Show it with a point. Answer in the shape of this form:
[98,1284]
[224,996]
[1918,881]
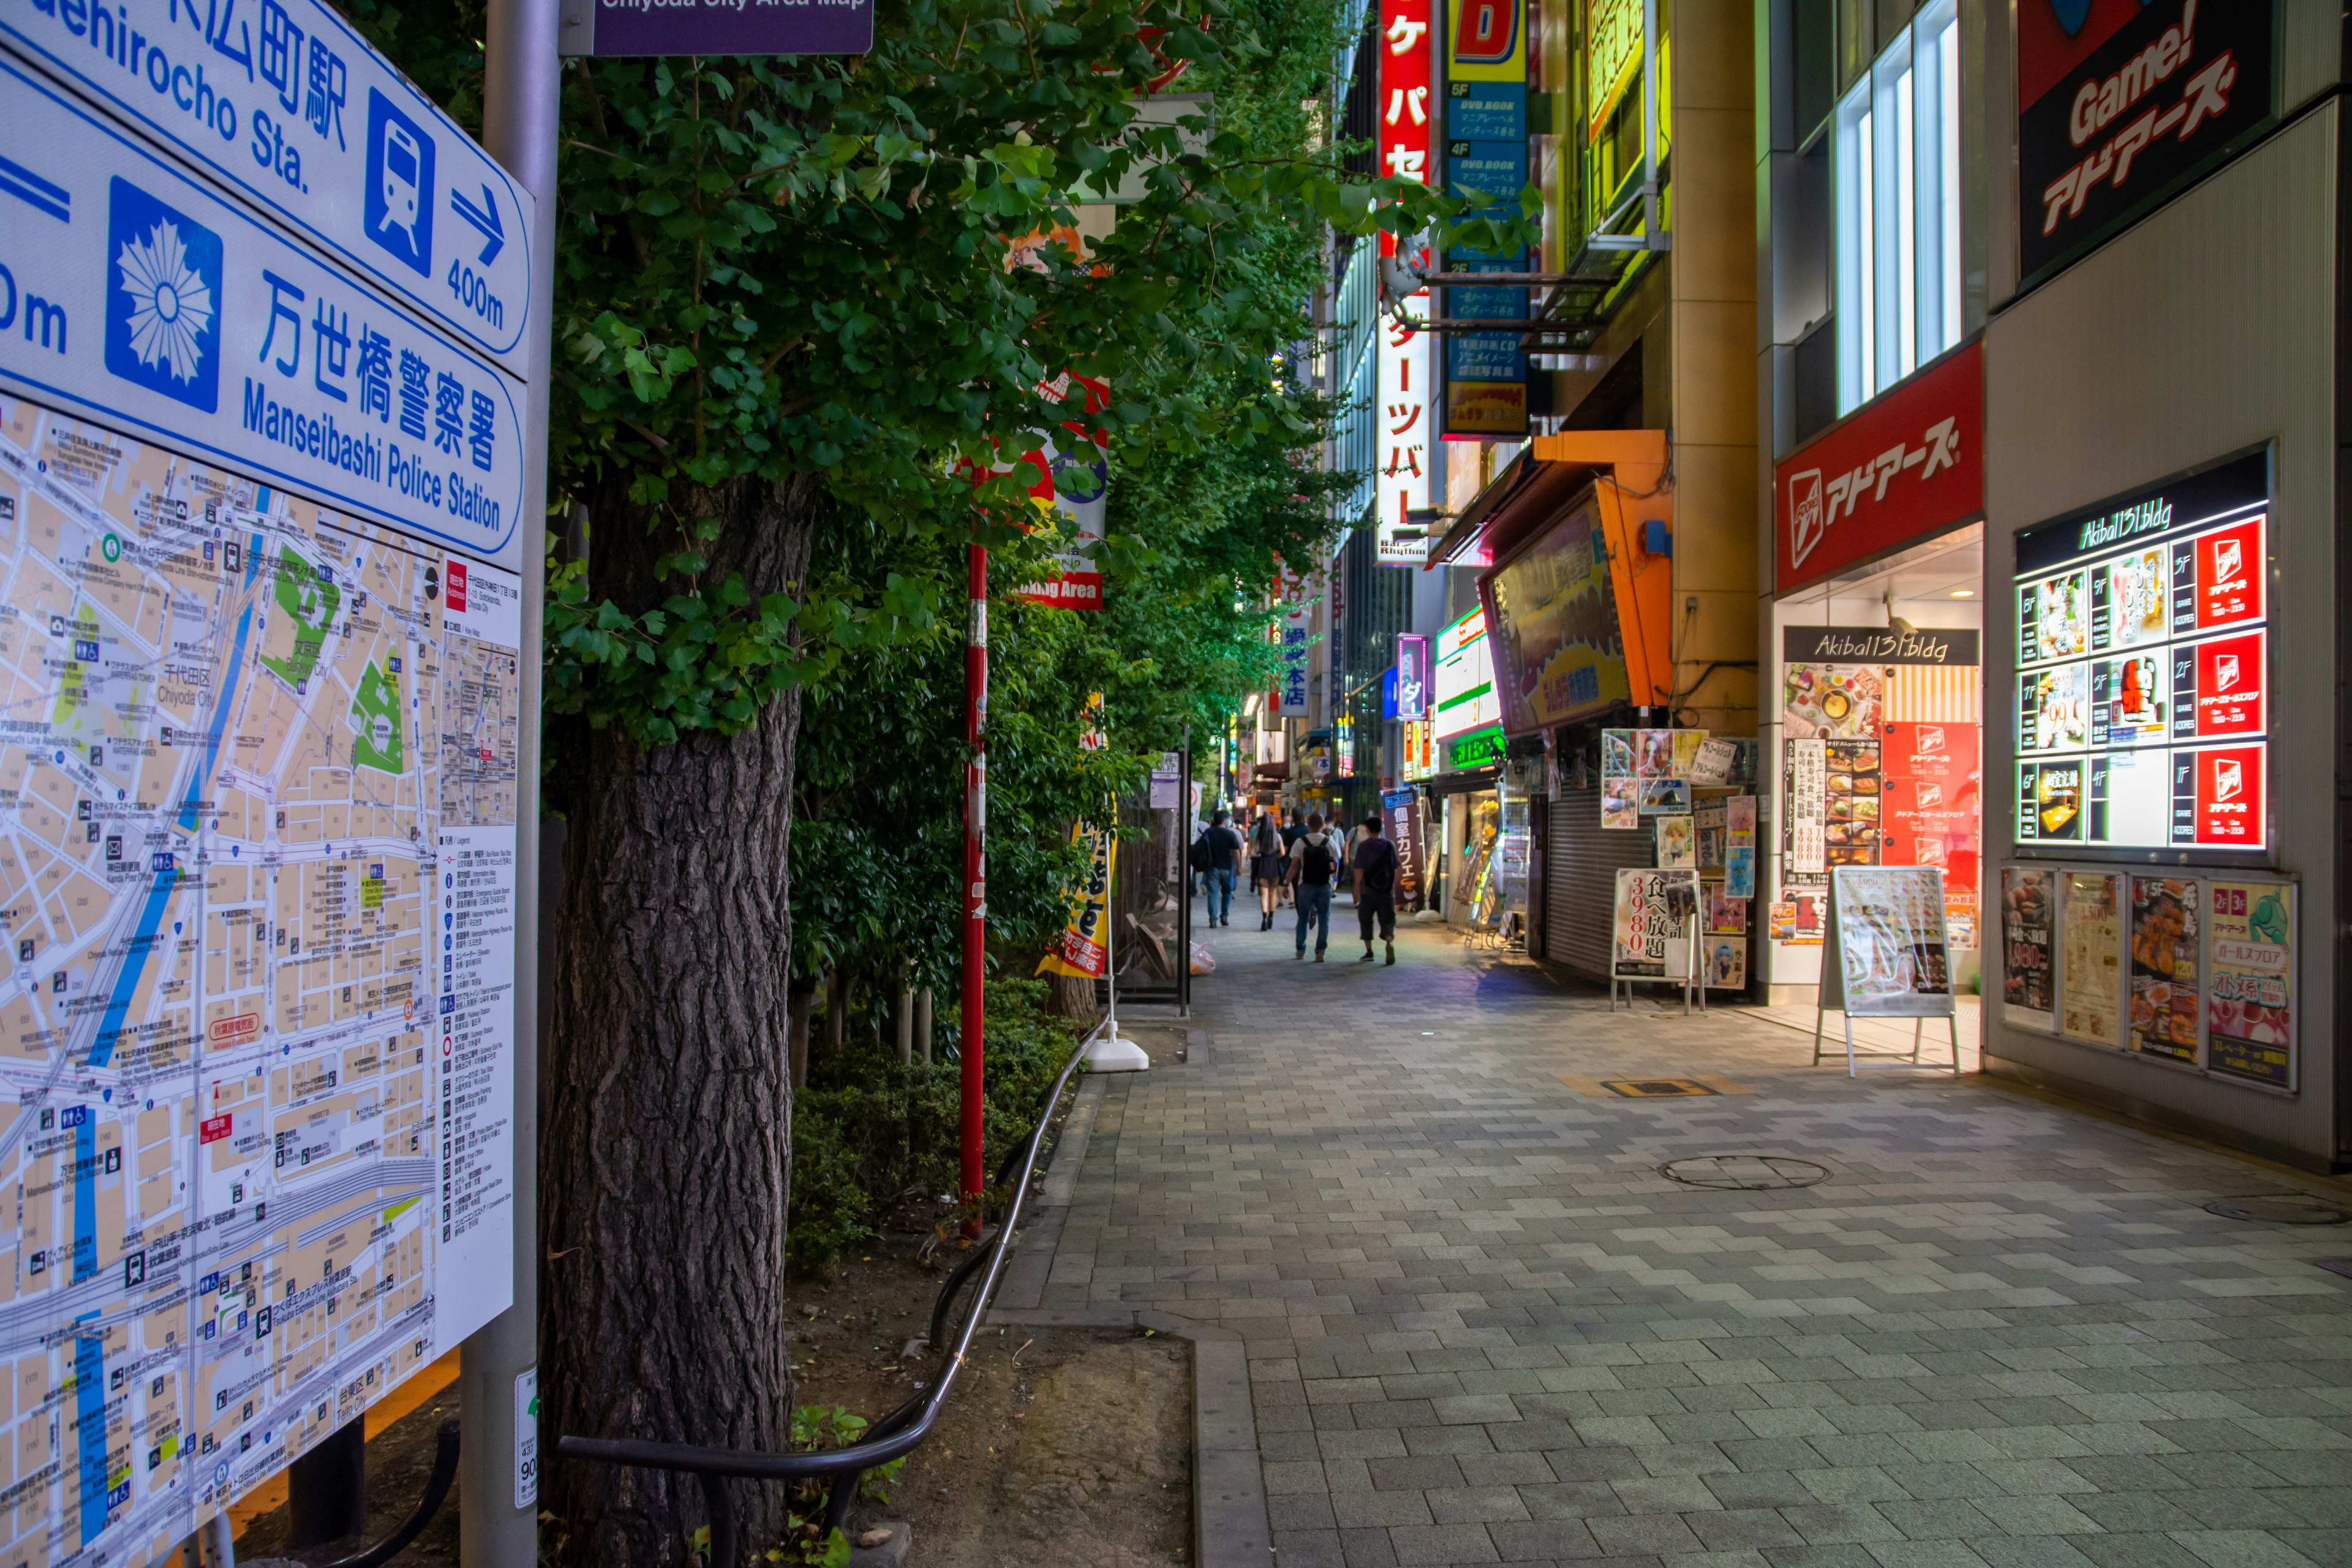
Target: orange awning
[1634,489]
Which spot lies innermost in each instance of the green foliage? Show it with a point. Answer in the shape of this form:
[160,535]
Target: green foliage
[866,1131]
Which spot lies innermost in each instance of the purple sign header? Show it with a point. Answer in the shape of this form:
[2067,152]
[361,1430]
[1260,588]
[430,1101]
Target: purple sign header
[637,27]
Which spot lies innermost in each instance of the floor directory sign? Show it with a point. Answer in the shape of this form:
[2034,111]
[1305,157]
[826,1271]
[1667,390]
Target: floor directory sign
[2143,653]
[282,102]
[259,735]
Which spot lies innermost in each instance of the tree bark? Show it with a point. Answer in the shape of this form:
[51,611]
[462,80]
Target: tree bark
[667,1156]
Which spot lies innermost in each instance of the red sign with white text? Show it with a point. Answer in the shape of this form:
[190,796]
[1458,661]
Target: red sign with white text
[2230,575]
[1909,463]
[2230,798]
[1404,90]
[2229,686]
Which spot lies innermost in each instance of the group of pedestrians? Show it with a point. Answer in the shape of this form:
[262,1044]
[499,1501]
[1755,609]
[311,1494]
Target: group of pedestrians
[1302,860]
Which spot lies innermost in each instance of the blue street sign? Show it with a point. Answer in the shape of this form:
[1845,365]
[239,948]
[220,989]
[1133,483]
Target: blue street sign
[131,295]
[282,101]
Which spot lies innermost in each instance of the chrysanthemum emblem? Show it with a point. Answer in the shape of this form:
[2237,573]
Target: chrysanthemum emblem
[171,305]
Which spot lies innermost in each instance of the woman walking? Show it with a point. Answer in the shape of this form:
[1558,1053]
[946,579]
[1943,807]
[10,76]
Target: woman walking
[1269,866]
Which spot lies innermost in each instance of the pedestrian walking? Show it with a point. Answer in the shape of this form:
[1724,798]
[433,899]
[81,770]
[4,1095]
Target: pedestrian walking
[1223,846]
[1313,862]
[1376,880]
[1292,832]
[1267,867]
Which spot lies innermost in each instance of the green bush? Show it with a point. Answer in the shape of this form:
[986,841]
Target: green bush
[866,1131]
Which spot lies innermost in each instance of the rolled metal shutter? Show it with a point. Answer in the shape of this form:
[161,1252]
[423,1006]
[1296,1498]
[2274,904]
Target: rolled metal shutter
[1580,866]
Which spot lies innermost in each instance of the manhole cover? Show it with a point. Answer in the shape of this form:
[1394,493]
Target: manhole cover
[2279,1208]
[1744,1172]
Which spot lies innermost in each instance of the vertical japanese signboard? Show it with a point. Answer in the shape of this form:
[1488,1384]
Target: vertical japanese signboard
[260,536]
[1486,150]
[1402,404]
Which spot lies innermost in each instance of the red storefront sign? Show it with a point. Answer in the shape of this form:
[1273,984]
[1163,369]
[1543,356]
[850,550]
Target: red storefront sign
[1905,466]
[2228,797]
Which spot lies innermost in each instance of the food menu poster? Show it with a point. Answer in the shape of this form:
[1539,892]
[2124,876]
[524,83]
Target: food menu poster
[2090,958]
[1652,922]
[1888,955]
[2164,942]
[2250,989]
[2141,705]
[2026,911]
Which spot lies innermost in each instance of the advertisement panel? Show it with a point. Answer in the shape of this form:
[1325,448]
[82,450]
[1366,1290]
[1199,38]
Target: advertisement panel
[1404,365]
[2028,907]
[1411,677]
[2123,103]
[1905,464]
[2142,712]
[1465,679]
[1559,653]
[2250,992]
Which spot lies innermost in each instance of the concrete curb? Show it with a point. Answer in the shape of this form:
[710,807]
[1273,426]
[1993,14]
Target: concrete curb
[1229,1517]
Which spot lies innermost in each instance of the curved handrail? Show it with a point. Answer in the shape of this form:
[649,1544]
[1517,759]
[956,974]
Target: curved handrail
[894,1437]
[436,1489]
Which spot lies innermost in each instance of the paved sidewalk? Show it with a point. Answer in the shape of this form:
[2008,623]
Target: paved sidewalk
[1481,1326]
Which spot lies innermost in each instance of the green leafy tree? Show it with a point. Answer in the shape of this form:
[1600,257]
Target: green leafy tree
[788,331]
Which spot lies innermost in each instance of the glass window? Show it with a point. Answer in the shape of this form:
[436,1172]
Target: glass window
[1897,168]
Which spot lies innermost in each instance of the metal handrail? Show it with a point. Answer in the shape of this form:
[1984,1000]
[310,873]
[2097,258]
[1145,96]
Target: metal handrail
[894,1435]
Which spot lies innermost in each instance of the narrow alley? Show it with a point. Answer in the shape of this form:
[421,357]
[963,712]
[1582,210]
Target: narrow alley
[1481,1325]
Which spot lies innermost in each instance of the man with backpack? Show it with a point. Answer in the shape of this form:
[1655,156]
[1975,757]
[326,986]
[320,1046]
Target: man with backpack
[1376,878]
[1314,861]
[1216,848]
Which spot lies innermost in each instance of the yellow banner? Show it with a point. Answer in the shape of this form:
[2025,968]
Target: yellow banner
[1085,948]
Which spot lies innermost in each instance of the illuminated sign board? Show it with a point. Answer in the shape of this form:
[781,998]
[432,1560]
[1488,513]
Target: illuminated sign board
[1465,680]
[2142,696]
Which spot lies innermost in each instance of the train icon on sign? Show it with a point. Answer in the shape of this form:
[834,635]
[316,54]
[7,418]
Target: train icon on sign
[399,215]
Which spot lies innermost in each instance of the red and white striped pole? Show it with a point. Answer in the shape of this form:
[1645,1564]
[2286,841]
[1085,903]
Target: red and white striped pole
[975,873]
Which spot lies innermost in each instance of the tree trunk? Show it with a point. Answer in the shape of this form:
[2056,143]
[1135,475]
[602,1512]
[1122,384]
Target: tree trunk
[1072,996]
[667,1161]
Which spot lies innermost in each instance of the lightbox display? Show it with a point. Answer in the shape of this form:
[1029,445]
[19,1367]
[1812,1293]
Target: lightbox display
[2142,711]
[1465,679]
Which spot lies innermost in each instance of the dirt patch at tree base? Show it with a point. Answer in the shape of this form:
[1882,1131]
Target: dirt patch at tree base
[1058,1449]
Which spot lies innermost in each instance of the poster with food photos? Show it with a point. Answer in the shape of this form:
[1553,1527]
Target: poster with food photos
[2164,962]
[1833,701]
[1853,803]
[2028,907]
[2249,987]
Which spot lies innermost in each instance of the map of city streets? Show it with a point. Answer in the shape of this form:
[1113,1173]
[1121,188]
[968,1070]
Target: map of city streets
[258,772]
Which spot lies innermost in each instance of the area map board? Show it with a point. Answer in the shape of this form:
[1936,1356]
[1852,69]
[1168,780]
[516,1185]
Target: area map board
[261,721]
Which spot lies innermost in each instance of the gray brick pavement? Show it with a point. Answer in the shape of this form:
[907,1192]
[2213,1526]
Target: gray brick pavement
[1481,1328]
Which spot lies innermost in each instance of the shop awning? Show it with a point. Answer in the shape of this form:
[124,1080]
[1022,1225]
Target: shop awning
[1635,489]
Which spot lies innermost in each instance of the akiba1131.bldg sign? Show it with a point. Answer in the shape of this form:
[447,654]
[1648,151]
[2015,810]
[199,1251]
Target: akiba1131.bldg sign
[2123,103]
[1903,465]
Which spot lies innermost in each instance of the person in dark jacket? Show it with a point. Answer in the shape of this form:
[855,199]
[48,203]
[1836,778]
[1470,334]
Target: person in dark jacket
[1376,880]
[1224,846]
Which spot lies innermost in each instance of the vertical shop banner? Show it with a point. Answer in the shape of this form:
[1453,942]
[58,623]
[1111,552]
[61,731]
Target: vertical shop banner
[1932,812]
[1401,819]
[1888,956]
[1083,953]
[1411,677]
[1295,595]
[2090,954]
[1486,150]
[2164,912]
[2249,990]
[2027,908]
[2121,103]
[1401,407]
[1073,465]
